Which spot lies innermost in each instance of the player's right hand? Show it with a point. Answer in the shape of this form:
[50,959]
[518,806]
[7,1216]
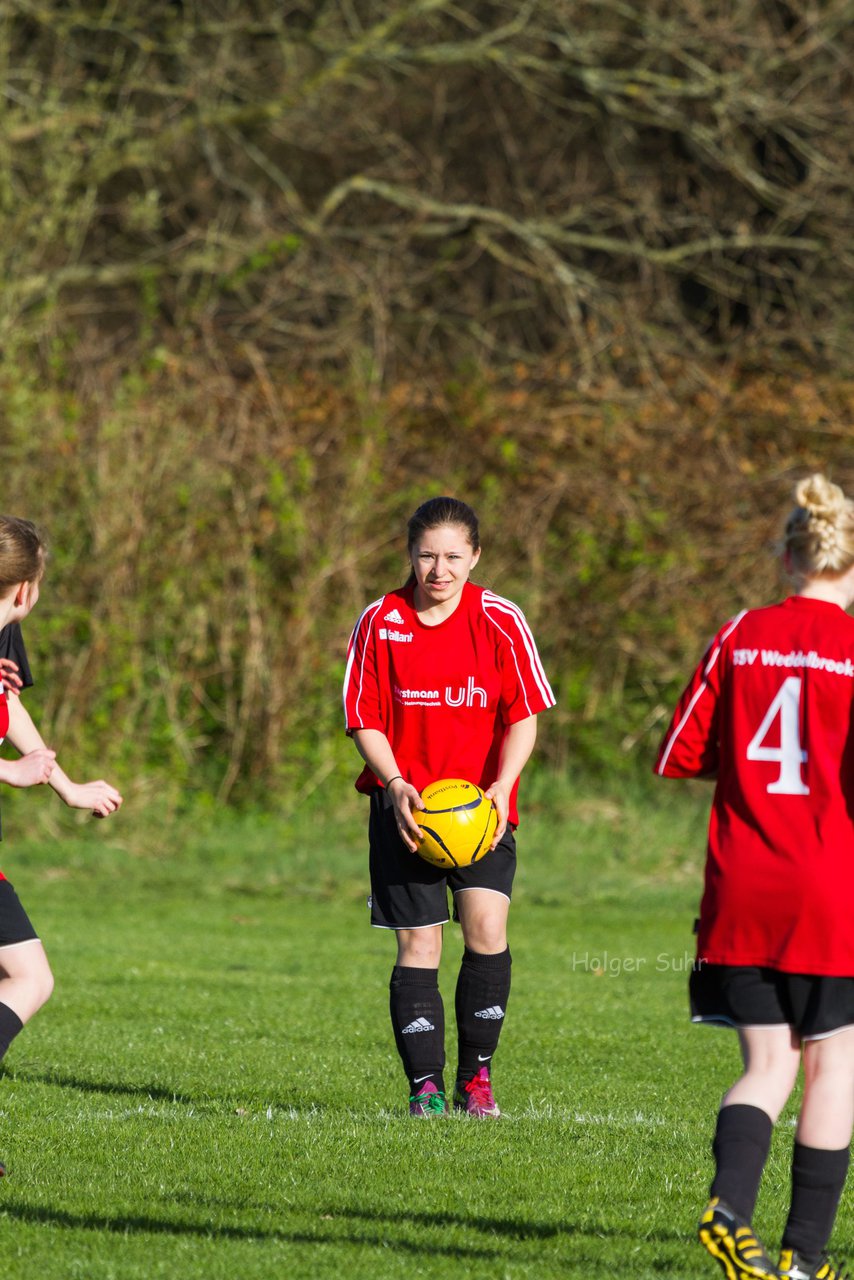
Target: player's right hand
[405,798]
[100,796]
[32,769]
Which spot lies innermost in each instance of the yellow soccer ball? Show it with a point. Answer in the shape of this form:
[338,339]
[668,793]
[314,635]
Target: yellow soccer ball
[458,823]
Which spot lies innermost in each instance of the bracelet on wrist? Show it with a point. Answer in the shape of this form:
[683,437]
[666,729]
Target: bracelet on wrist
[394,779]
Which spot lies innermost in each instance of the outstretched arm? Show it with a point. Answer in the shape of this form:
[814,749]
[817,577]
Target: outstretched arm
[99,796]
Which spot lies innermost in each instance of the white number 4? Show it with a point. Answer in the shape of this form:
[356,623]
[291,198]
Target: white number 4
[790,755]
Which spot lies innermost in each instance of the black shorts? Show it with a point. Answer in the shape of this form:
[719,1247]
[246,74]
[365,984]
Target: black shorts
[409,893]
[15,924]
[750,996]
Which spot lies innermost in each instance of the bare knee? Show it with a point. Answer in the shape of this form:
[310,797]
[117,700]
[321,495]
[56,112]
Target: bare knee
[39,978]
[34,990]
[26,980]
[827,1110]
[483,917]
[419,948]
[487,937]
[43,987]
[829,1066]
[771,1061]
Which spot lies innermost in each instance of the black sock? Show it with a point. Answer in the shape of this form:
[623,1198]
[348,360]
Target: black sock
[418,1019]
[483,988]
[818,1177]
[740,1147]
[10,1025]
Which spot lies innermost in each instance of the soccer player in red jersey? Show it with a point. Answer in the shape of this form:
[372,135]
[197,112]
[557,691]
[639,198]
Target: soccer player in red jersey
[769,713]
[26,981]
[443,680]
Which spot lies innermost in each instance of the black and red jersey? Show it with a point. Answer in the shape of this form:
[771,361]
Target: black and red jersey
[443,695]
[769,713]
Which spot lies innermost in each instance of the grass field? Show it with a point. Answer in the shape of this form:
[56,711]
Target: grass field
[212,1092]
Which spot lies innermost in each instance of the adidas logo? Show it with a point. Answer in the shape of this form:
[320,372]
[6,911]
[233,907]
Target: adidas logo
[394,616]
[420,1024]
[495,1013]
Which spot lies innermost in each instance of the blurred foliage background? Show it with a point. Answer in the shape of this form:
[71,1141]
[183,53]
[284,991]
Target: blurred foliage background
[275,273]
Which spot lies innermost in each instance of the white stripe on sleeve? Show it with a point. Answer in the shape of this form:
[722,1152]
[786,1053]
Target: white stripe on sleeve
[689,710]
[366,618]
[497,605]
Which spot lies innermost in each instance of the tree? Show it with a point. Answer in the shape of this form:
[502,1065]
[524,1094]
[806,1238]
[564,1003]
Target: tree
[418,178]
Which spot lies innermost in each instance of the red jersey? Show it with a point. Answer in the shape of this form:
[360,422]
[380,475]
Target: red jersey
[445,695]
[769,713]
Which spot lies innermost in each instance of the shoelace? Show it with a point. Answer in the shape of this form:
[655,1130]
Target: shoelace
[481,1090]
[431,1101]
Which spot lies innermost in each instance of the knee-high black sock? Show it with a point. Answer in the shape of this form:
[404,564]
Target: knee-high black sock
[418,1019]
[483,988]
[817,1180]
[10,1025]
[741,1143]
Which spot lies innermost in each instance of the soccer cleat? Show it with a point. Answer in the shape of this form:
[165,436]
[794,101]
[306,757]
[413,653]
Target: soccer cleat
[475,1097]
[733,1243]
[792,1267]
[429,1101]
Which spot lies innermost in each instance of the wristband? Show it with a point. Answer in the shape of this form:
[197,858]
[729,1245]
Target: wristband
[394,779]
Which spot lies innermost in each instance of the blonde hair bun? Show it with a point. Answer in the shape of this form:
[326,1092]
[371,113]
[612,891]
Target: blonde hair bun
[820,530]
[820,497]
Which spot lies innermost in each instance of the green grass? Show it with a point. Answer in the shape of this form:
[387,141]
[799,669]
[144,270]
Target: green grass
[213,1091]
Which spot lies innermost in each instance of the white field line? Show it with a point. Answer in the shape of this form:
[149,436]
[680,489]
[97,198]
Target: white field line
[636,1119]
[313,1115]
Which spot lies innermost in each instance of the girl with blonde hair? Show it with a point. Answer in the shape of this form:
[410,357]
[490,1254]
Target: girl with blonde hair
[769,714]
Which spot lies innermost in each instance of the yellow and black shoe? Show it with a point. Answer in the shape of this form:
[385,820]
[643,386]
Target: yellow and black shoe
[732,1242]
[792,1267]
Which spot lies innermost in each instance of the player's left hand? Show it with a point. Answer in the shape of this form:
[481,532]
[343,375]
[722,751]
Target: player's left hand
[499,794]
[99,796]
[12,681]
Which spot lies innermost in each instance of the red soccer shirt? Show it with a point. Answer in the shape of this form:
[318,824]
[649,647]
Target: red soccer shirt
[444,696]
[769,712]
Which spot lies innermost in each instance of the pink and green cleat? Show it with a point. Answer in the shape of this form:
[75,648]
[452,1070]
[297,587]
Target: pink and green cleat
[429,1101]
[475,1097]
